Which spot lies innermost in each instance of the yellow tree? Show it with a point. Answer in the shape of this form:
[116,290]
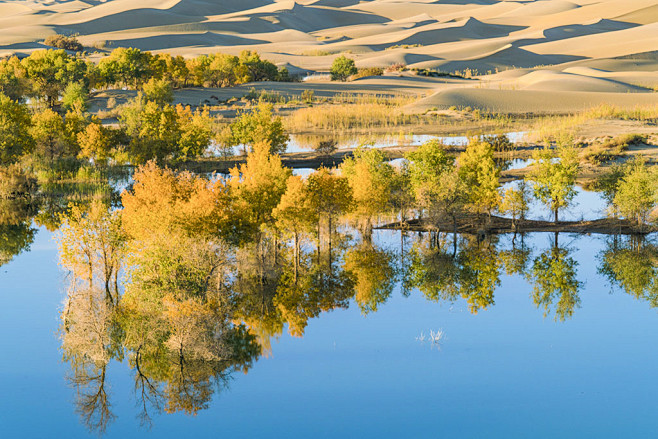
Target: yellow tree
[295,215]
[95,143]
[259,185]
[370,177]
[331,197]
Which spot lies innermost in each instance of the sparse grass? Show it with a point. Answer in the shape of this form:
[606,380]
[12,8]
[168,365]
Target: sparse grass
[610,149]
[432,73]
[403,46]
[319,52]
[368,71]
[350,112]
[598,155]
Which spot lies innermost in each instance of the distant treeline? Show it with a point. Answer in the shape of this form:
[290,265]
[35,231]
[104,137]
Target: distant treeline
[45,74]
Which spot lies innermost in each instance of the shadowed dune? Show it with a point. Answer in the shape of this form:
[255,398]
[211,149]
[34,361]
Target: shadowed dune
[558,54]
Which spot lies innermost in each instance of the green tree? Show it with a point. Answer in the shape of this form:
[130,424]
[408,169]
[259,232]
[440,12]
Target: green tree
[435,181]
[342,68]
[48,132]
[259,69]
[75,97]
[196,131]
[224,70]
[515,202]
[635,197]
[158,91]
[553,177]
[128,66]
[153,130]
[480,175]
[51,71]
[259,125]
[15,124]
[12,79]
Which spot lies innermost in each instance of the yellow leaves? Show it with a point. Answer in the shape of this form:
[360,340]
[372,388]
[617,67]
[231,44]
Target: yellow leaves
[295,212]
[164,202]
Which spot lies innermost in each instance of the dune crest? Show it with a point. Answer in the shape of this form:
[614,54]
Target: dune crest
[607,47]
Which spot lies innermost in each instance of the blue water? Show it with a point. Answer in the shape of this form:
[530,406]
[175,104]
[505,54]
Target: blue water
[505,372]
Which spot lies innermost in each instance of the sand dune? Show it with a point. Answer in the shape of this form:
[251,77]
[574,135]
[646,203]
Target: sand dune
[604,50]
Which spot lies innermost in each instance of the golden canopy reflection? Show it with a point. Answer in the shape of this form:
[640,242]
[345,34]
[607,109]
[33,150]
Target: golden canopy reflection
[183,287]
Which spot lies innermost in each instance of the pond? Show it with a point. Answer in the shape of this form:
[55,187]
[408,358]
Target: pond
[513,336]
[304,143]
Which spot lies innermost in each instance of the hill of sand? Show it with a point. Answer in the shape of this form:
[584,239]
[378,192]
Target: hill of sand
[525,55]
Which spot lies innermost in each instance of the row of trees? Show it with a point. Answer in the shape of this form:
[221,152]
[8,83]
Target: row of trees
[46,74]
[150,127]
[147,131]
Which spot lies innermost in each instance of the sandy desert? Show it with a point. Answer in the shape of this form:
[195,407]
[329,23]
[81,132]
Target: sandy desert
[521,56]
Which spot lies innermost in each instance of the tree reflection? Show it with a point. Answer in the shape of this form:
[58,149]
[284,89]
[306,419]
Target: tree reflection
[632,265]
[473,272]
[16,231]
[555,282]
[374,275]
[192,280]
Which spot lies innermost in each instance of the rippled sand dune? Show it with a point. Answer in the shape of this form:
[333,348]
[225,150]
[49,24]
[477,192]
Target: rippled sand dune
[568,54]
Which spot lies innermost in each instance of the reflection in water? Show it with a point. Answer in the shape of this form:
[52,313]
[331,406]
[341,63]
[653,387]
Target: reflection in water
[186,312]
[16,231]
[555,282]
[631,263]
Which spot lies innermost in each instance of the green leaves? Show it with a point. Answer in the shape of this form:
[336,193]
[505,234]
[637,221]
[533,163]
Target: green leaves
[554,177]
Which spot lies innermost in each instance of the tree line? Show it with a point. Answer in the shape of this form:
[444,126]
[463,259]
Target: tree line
[46,74]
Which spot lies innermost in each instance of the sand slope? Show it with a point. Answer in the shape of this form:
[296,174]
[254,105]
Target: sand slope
[607,49]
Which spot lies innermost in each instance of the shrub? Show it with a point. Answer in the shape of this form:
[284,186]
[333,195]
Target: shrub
[326,147]
[63,42]
[500,142]
[342,68]
[368,71]
[396,68]
[621,143]
[308,96]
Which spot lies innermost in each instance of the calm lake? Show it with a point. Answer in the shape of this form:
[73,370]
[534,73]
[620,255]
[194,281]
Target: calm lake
[497,339]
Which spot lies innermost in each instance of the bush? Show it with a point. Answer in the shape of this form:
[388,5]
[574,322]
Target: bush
[621,143]
[368,71]
[326,147]
[500,142]
[342,68]
[64,42]
[396,68]
[308,96]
